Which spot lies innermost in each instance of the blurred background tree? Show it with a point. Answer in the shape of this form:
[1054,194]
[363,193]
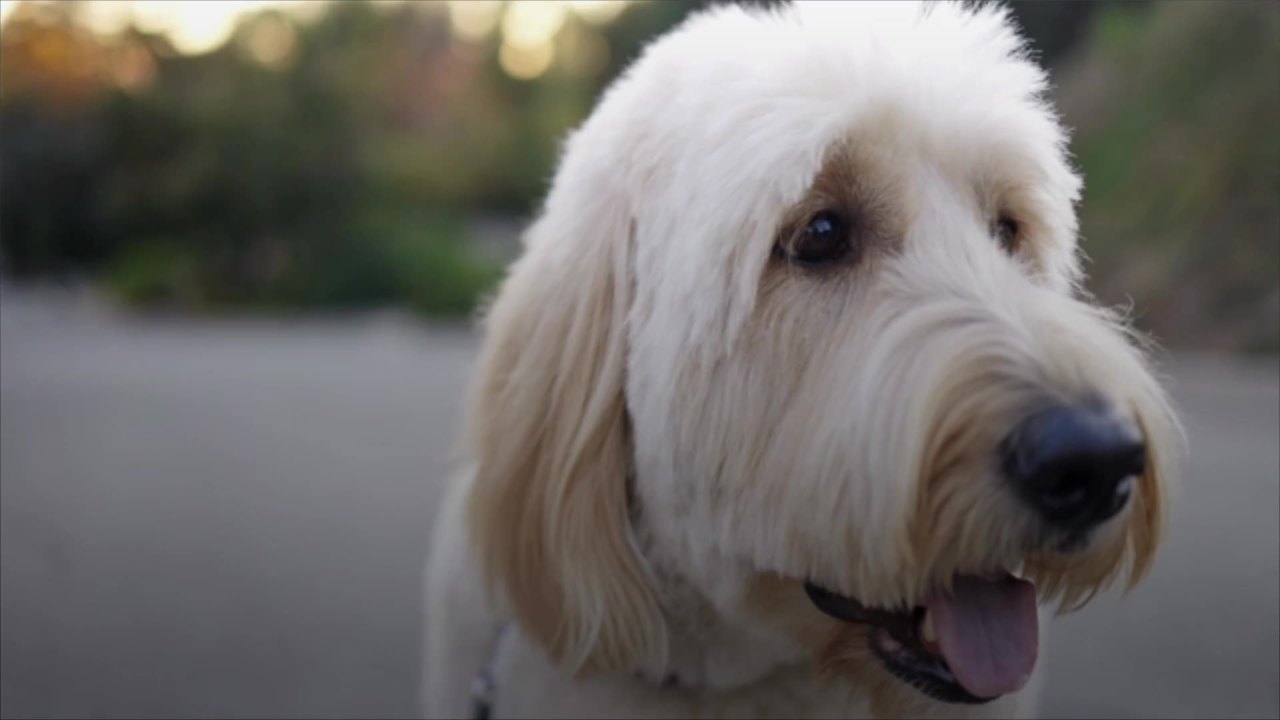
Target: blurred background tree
[362,154]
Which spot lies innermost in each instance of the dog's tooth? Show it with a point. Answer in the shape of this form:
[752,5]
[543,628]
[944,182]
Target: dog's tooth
[927,631]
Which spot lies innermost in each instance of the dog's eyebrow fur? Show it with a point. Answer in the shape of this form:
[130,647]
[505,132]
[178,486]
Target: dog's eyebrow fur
[859,186]
[1015,198]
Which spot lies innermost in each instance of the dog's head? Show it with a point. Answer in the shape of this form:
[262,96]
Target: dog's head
[804,304]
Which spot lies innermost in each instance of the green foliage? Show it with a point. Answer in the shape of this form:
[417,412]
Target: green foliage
[1175,107]
[419,259]
[161,274]
[227,183]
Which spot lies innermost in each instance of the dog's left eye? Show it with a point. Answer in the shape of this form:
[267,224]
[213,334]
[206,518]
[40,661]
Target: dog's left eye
[824,240]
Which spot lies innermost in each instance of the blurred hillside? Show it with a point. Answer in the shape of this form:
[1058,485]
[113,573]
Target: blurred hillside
[1176,108]
[373,154]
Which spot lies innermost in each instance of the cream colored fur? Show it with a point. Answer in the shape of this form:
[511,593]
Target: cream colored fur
[672,429]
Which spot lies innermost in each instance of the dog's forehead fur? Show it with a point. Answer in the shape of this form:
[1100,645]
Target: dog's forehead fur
[940,89]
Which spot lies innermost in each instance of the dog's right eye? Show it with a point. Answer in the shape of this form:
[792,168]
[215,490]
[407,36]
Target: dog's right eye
[1008,233]
[824,240]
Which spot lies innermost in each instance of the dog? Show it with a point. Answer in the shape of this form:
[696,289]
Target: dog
[793,404]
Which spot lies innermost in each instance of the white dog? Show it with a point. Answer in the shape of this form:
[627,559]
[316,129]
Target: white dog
[793,405]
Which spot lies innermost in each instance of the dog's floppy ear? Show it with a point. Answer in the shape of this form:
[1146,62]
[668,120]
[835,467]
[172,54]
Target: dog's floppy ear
[548,431]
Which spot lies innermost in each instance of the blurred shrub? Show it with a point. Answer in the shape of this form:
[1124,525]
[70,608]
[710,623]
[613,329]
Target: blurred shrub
[156,275]
[330,176]
[418,259]
[421,261]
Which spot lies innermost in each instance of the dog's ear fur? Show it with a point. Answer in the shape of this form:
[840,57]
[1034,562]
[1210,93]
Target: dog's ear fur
[549,430]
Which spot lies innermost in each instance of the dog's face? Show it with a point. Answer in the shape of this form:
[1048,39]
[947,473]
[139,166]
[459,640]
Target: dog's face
[802,305]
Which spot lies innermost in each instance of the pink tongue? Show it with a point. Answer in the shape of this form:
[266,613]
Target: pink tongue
[988,633]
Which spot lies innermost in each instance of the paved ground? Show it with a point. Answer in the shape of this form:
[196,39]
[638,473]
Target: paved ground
[228,519]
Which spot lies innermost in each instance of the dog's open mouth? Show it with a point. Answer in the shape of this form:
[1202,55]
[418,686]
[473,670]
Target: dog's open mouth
[971,645]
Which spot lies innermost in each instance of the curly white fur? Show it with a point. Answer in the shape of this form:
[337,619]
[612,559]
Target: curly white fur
[672,429]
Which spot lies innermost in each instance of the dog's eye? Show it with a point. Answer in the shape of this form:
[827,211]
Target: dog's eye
[1006,231]
[823,241]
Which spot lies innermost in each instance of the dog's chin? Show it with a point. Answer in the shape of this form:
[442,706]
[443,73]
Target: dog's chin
[971,645]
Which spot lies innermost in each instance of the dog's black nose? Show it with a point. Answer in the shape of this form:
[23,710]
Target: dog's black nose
[1074,464]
